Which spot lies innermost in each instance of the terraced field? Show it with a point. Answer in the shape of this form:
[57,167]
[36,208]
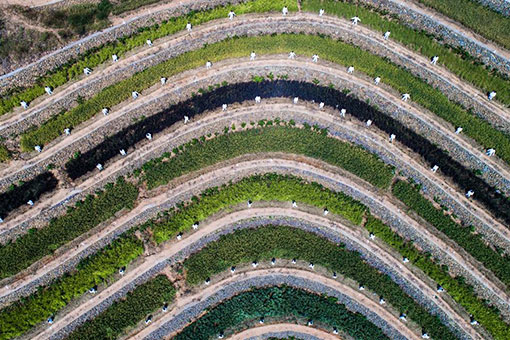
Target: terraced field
[261,169]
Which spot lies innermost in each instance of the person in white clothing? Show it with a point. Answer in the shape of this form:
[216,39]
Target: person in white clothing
[87,71]
[492,95]
[406,96]
[321,12]
[459,130]
[315,58]
[149,42]
[285,10]
[231,15]
[24,104]
[387,35]
[253,55]
[257,99]
[48,90]
[434,60]
[115,58]
[208,65]
[321,105]
[135,94]
[163,80]
[355,20]
[377,80]
[490,152]
[296,99]
[292,55]
[224,107]
[350,69]
[188,27]
[186,119]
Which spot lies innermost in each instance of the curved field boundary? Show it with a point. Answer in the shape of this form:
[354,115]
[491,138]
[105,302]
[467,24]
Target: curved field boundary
[217,30]
[149,208]
[283,330]
[452,33]
[173,252]
[187,308]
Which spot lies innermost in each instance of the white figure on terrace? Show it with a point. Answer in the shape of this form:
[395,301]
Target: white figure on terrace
[321,105]
[50,320]
[315,58]
[382,301]
[387,35]
[369,122]
[334,275]
[179,236]
[492,95]
[37,148]
[195,226]
[261,321]
[273,261]
[105,111]
[310,322]
[435,168]
[123,152]
[294,261]
[321,12]
[490,152]
[257,99]
[285,10]
[250,203]
[188,26]
[87,71]
[30,203]
[470,193]
[361,287]
[335,330]
[440,289]
[149,42]
[377,80]
[67,131]
[343,112]
[165,308]
[434,60]
[224,107]
[405,260]
[350,69]
[208,65]
[99,167]
[233,269]
[231,15]
[122,270]
[186,119]
[403,317]
[355,20]
[48,90]
[459,130]
[163,80]
[92,290]
[371,236]
[253,55]
[221,335]
[296,100]
[294,204]
[148,136]
[24,104]
[148,320]
[326,211]
[254,264]
[292,55]
[472,321]
[425,336]
[114,57]
[392,137]
[135,94]
[1,220]
[406,96]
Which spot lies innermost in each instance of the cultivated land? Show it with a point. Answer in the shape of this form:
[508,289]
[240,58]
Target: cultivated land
[264,196]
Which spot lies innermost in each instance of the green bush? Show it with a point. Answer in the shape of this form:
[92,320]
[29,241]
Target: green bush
[4,154]
[334,51]
[247,245]
[270,139]
[268,187]
[87,214]
[19,317]
[127,312]
[472,243]
[456,287]
[280,302]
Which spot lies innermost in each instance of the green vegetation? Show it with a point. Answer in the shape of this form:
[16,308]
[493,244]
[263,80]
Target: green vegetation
[246,245]
[201,153]
[87,214]
[456,60]
[129,5]
[95,57]
[456,287]
[279,302]
[19,317]
[472,243]
[268,187]
[334,51]
[126,313]
[4,154]
[484,21]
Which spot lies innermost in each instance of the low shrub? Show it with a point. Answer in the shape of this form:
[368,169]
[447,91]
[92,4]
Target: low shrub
[125,313]
[27,249]
[263,243]
[279,302]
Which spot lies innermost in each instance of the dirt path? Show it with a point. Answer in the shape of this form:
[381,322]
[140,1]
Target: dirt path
[262,331]
[190,130]
[170,249]
[262,166]
[183,303]
[31,3]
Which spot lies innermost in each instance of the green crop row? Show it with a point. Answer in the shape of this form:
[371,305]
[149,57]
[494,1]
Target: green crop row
[463,236]
[268,187]
[456,287]
[457,61]
[328,49]
[138,304]
[204,152]
[264,243]
[279,302]
[472,14]
[29,248]
[22,315]
[4,154]
[97,56]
